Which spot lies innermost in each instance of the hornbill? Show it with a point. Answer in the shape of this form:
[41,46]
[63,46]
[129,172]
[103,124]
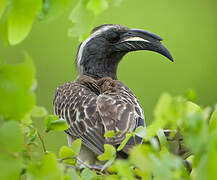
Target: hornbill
[97,102]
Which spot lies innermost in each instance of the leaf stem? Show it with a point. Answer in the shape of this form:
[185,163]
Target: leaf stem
[93,167]
[42,142]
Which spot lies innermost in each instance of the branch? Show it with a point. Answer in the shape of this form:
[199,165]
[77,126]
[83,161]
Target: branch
[42,142]
[81,164]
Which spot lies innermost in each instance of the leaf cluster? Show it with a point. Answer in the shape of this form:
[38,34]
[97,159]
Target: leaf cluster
[18,16]
[188,150]
[181,142]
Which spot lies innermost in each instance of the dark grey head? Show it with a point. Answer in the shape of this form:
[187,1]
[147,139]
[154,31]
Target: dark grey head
[98,56]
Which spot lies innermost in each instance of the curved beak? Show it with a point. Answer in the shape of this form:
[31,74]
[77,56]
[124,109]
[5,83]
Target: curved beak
[137,39]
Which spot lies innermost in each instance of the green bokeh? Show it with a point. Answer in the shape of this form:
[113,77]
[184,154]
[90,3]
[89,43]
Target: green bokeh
[189,31]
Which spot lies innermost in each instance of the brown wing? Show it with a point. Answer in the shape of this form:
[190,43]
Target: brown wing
[92,108]
[119,108]
[77,104]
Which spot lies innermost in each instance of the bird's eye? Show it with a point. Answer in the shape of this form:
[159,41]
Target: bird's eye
[112,36]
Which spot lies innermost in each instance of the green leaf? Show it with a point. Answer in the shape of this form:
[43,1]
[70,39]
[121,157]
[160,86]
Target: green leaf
[87,174]
[162,138]
[155,143]
[161,112]
[21,18]
[163,105]
[211,159]
[32,136]
[26,121]
[52,122]
[139,156]
[166,166]
[207,113]
[11,137]
[195,132]
[107,164]
[73,174]
[46,169]
[213,120]
[124,142]
[66,152]
[38,112]
[3,5]
[205,161]
[59,125]
[82,20]
[168,112]
[4,30]
[140,131]
[192,108]
[191,95]
[109,134]
[108,154]
[66,177]
[124,170]
[97,6]
[49,119]
[54,8]
[112,177]
[76,146]
[17,89]
[11,166]
[72,151]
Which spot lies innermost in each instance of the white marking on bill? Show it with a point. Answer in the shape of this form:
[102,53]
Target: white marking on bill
[135,39]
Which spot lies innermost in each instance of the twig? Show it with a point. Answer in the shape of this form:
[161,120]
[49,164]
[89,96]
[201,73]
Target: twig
[94,167]
[42,142]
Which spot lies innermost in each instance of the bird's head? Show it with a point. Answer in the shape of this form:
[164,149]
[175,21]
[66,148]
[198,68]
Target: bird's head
[98,56]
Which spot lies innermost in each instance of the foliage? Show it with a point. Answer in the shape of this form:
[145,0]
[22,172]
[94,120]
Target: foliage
[17,16]
[52,122]
[159,156]
[17,83]
[18,20]
[192,138]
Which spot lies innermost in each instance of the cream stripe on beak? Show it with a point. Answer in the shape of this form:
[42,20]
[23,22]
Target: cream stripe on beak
[135,39]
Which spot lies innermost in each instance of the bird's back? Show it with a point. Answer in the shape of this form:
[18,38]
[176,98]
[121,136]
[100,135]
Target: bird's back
[93,107]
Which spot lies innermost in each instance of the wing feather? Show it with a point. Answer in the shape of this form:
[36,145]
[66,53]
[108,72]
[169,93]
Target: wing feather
[77,104]
[92,108]
[119,108]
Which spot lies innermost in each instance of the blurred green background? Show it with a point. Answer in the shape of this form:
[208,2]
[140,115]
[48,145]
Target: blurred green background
[189,31]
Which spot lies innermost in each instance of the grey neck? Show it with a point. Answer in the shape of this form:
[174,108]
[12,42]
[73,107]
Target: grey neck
[100,67]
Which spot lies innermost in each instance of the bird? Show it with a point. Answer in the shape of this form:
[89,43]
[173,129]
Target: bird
[96,102]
